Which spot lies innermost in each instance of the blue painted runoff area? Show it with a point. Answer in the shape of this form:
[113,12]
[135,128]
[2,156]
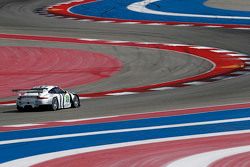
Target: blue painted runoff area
[117,9]
[146,122]
[24,149]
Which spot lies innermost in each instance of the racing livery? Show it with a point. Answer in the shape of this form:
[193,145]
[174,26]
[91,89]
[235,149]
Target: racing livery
[52,96]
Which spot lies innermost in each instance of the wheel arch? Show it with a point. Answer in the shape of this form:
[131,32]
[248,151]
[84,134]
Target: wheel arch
[72,95]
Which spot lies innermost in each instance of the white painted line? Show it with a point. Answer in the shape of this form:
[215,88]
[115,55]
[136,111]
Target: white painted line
[21,125]
[237,54]
[202,47]
[59,17]
[207,158]
[84,98]
[130,23]
[85,20]
[170,44]
[219,77]
[118,41]
[105,21]
[244,58]
[122,130]
[32,160]
[227,78]
[121,93]
[212,26]
[195,83]
[242,28]
[155,24]
[88,39]
[71,18]
[147,43]
[162,88]
[221,51]
[84,119]
[183,25]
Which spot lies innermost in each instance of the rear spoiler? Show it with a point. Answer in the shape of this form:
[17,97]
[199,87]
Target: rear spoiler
[33,90]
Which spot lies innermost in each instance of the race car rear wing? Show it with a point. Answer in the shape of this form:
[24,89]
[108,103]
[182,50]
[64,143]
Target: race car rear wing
[33,90]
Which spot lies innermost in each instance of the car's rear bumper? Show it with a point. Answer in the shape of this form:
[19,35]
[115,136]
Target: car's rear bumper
[32,104]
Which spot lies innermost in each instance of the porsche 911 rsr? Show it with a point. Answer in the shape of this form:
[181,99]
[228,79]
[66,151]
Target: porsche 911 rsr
[51,96]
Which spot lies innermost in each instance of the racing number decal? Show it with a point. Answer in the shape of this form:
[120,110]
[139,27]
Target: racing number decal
[67,98]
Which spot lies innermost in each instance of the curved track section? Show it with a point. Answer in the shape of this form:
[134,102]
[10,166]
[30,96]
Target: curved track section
[223,62]
[71,134]
[163,68]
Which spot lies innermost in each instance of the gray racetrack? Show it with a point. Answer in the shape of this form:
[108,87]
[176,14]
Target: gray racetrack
[16,16]
[240,5]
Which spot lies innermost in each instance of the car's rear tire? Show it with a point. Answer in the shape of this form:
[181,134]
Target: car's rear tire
[20,109]
[54,104]
[75,102]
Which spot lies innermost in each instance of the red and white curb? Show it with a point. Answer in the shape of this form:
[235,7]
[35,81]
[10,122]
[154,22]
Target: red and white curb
[125,117]
[226,64]
[60,10]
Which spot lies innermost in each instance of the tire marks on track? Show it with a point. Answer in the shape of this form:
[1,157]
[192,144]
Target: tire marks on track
[227,64]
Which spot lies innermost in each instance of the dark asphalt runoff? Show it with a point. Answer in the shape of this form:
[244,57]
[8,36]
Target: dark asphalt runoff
[141,66]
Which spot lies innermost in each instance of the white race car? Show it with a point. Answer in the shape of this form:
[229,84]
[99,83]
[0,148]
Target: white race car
[52,96]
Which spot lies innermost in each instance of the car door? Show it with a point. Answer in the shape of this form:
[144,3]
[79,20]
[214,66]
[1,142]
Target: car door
[66,103]
[55,92]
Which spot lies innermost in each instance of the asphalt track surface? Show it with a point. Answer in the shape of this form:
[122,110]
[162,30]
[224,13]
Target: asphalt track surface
[18,17]
[240,5]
